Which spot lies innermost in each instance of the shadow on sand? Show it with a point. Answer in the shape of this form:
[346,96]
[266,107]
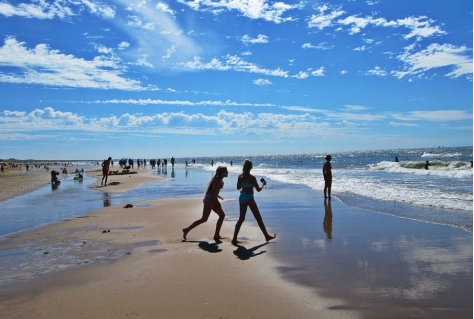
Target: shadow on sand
[204,245]
[245,254]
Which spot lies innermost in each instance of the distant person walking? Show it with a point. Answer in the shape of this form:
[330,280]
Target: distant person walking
[211,202]
[247,182]
[172,162]
[105,170]
[427,165]
[327,173]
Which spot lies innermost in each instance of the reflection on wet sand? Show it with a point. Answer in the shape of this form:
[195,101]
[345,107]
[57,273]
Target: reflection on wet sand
[327,222]
[378,265]
[106,200]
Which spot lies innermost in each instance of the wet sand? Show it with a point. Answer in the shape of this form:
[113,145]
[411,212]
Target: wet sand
[122,182]
[119,262]
[14,182]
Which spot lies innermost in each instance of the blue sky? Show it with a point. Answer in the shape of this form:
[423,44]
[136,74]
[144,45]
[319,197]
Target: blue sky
[85,79]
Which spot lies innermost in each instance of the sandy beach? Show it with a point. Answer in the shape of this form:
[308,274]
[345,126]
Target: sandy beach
[118,262]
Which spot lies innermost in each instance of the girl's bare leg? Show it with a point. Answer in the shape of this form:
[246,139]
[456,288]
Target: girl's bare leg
[206,211]
[220,221]
[254,208]
[243,212]
[217,208]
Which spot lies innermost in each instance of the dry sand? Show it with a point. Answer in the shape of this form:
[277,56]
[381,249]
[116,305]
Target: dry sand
[140,267]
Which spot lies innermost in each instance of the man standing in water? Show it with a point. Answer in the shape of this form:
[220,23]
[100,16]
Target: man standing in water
[105,170]
[327,173]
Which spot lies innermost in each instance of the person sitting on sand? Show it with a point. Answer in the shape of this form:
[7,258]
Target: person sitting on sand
[54,177]
[247,182]
[211,202]
[105,170]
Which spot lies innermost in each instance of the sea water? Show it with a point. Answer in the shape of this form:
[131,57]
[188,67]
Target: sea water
[373,180]
[366,179]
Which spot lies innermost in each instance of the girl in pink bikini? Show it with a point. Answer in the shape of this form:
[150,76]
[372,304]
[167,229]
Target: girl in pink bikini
[211,202]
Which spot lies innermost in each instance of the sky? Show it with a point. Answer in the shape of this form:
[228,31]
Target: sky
[86,79]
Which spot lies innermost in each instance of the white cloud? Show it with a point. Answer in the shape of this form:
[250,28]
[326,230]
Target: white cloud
[165,8]
[123,45]
[262,82]
[301,75]
[362,48]
[355,108]
[169,52]
[309,72]
[177,102]
[318,72]
[323,19]
[153,32]
[234,63]
[97,8]
[246,39]
[45,66]
[358,23]
[356,113]
[320,46]
[137,22]
[437,56]
[398,124]
[144,62]
[222,122]
[420,27]
[435,116]
[49,10]
[377,71]
[254,9]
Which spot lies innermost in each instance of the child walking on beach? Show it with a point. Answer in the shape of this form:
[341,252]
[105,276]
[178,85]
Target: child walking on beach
[247,182]
[211,202]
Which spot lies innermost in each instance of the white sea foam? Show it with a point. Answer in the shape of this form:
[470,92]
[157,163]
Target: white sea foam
[441,154]
[447,184]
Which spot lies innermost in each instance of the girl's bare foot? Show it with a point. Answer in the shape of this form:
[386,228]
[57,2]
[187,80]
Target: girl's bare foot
[268,237]
[217,238]
[235,242]
[185,232]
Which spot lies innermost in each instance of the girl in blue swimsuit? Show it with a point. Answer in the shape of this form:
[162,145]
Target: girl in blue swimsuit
[211,202]
[247,182]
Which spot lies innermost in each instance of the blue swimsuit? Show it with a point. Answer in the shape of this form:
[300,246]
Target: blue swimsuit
[245,197]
